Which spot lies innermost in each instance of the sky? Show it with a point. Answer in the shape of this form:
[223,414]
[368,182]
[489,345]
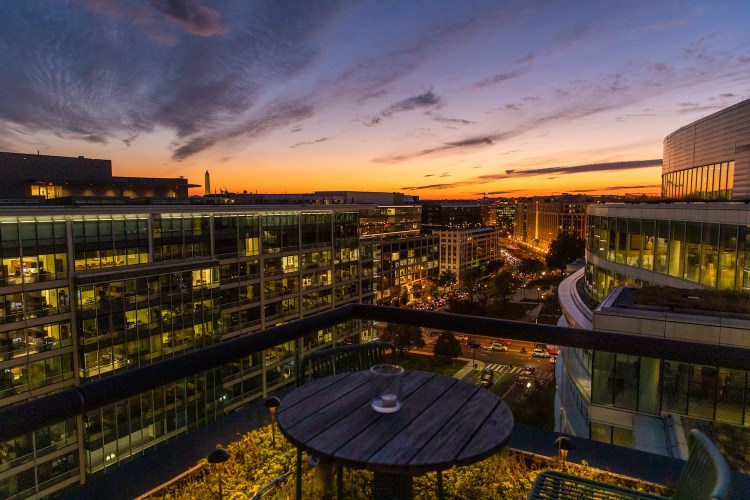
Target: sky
[441,99]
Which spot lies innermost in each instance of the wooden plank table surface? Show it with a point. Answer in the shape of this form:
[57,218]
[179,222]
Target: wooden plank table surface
[442,422]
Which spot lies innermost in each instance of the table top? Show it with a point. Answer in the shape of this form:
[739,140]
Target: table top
[442,422]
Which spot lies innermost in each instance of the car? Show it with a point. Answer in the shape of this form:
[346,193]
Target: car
[487,378]
[504,342]
[433,334]
[522,382]
[539,353]
[462,337]
[529,370]
[497,346]
[474,345]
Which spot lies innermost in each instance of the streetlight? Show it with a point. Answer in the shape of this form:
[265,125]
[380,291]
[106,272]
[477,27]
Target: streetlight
[218,457]
[272,403]
[564,445]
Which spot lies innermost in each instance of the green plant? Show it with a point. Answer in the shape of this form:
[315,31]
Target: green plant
[254,463]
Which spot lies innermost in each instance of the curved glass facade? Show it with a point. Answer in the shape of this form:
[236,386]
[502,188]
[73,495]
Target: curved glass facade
[704,253]
[708,182]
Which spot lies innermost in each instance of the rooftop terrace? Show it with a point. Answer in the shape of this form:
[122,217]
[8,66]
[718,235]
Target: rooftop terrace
[26,417]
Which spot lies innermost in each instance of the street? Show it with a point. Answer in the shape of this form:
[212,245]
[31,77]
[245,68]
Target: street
[507,366]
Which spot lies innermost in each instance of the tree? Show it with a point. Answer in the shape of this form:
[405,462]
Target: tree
[531,266]
[566,248]
[447,279]
[471,279]
[503,285]
[447,348]
[403,336]
[494,266]
[428,288]
[416,290]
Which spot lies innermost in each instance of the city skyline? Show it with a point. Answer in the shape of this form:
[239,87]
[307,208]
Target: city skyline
[435,99]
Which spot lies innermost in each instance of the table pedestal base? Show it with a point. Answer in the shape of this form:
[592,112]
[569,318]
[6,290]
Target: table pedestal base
[392,487]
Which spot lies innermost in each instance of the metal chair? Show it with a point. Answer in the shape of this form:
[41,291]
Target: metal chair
[705,476]
[326,362]
[348,358]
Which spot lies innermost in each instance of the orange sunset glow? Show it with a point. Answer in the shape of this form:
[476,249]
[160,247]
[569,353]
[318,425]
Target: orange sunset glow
[436,100]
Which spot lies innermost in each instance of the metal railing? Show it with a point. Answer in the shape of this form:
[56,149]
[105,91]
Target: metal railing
[26,417]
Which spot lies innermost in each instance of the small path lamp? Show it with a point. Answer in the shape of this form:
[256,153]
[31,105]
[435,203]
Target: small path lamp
[564,445]
[218,457]
[272,403]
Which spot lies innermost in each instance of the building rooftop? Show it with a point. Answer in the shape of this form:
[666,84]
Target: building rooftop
[711,302]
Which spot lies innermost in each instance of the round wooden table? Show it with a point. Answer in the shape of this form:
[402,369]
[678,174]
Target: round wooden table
[442,422]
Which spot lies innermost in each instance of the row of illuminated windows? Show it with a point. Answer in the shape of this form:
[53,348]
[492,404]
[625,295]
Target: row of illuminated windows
[35,374]
[654,386]
[22,342]
[707,253]
[110,230]
[708,182]
[46,474]
[168,287]
[599,282]
[33,304]
[32,268]
[102,242]
[106,356]
[168,333]
[36,444]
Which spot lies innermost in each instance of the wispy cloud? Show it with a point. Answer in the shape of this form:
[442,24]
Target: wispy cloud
[518,68]
[307,143]
[577,169]
[192,16]
[442,119]
[613,189]
[559,171]
[426,100]
[467,144]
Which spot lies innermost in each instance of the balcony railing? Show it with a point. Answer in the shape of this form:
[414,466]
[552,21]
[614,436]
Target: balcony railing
[26,417]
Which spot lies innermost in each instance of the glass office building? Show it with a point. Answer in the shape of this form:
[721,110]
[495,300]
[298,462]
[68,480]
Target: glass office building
[684,243]
[87,292]
[687,245]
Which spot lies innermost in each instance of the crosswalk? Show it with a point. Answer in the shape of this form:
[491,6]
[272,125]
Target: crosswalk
[501,368]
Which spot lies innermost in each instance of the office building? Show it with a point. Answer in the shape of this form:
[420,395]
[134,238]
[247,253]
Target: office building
[87,292]
[461,249]
[689,245]
[439,215]
[402,257]
[710,158]
[42,177]
[539,221]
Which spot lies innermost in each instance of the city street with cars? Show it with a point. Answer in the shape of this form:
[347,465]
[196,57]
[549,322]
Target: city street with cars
[508,373]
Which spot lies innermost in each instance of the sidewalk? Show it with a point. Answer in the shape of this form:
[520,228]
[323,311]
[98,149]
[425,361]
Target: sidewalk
[460,374]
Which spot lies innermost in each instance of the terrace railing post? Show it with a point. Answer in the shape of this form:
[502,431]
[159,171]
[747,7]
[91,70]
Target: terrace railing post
[339,482]
[298,361]
[298,487]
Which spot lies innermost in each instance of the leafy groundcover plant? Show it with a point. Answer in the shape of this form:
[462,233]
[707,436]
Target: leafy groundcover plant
[254,463]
